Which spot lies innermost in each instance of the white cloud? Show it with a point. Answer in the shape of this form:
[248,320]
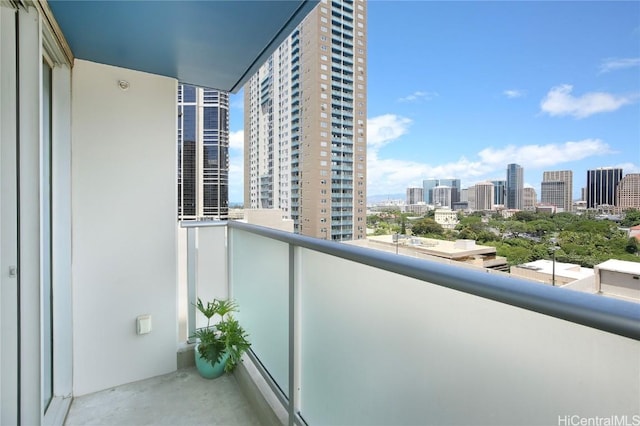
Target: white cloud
[385,128]
[391,176]
[559,101]
[535,156]
[236,140]
[417,96]
[514,93]
[629,168]
[614,64]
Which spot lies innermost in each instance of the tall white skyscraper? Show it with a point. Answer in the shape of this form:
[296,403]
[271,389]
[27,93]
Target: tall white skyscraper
[305,125]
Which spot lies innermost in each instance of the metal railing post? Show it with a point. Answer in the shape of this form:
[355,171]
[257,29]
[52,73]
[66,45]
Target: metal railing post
[192,252]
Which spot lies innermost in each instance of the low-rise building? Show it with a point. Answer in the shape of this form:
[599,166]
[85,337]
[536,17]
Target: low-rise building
[465,252]
[446,218]
[549,272]
[613,278]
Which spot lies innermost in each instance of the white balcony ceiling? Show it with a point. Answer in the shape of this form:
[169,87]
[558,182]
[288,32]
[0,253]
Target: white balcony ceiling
[215,43]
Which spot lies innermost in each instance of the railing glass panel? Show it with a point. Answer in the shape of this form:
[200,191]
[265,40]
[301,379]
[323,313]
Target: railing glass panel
[379,347]
[259,280]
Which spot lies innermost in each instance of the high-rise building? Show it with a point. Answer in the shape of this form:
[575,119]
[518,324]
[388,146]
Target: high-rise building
[553,193]
[629,192]
[529,199]
[455,188]
[414,196]
[499,190]
[305,125]
[427,187]
[549,193]
[471,198]
[602,186]
[443,196]
[203,153]
[515,185]
[483,196]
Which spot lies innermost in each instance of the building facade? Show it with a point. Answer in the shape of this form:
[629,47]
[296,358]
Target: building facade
[515,186]
[305,125]
[499,190]
[602,186]
[427,187]
[553,193]
[483,196]
[414,196]
[629,192]
[529,199]
[454,184]
[203,153]
[443,196]
[563,200]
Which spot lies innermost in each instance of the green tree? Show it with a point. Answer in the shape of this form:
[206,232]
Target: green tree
[632,245]
[426,226]
[631,218]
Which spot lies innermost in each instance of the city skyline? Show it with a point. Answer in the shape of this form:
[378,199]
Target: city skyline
[548,93]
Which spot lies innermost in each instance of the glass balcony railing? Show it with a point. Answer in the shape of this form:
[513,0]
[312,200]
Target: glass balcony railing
[348,335]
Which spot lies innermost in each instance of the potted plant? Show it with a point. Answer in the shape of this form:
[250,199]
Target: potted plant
[219,346]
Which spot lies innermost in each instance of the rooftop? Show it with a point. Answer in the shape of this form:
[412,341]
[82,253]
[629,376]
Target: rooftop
[568,270]
[615,265]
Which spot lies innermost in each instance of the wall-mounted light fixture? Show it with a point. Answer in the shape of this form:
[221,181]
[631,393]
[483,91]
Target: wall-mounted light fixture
[123,84]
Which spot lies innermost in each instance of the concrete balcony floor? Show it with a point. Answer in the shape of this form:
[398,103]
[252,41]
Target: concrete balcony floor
[178,398]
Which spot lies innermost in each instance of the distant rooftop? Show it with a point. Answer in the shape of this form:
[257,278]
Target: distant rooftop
[441,248]
[568,270]
[626,267]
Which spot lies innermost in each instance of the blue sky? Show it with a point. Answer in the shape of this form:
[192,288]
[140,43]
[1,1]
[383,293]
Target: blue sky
[461,89]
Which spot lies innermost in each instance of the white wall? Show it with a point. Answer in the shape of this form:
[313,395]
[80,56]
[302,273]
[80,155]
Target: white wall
[124,225]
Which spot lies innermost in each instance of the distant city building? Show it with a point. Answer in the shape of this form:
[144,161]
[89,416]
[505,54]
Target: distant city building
[415,195]
[442,196]
[203,153]
[447,218]
[454,184]
[464,195]
[562,200]
[471,198]
[602,186]
[529,199]
[419,209]
[460,205]
[546,208]
[427,187]
[515,186]
[463,253]
[629,192]
[553,194]
[499,191]
[483,196]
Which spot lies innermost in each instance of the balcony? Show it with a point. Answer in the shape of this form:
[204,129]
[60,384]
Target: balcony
[347,335]
[340,334]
